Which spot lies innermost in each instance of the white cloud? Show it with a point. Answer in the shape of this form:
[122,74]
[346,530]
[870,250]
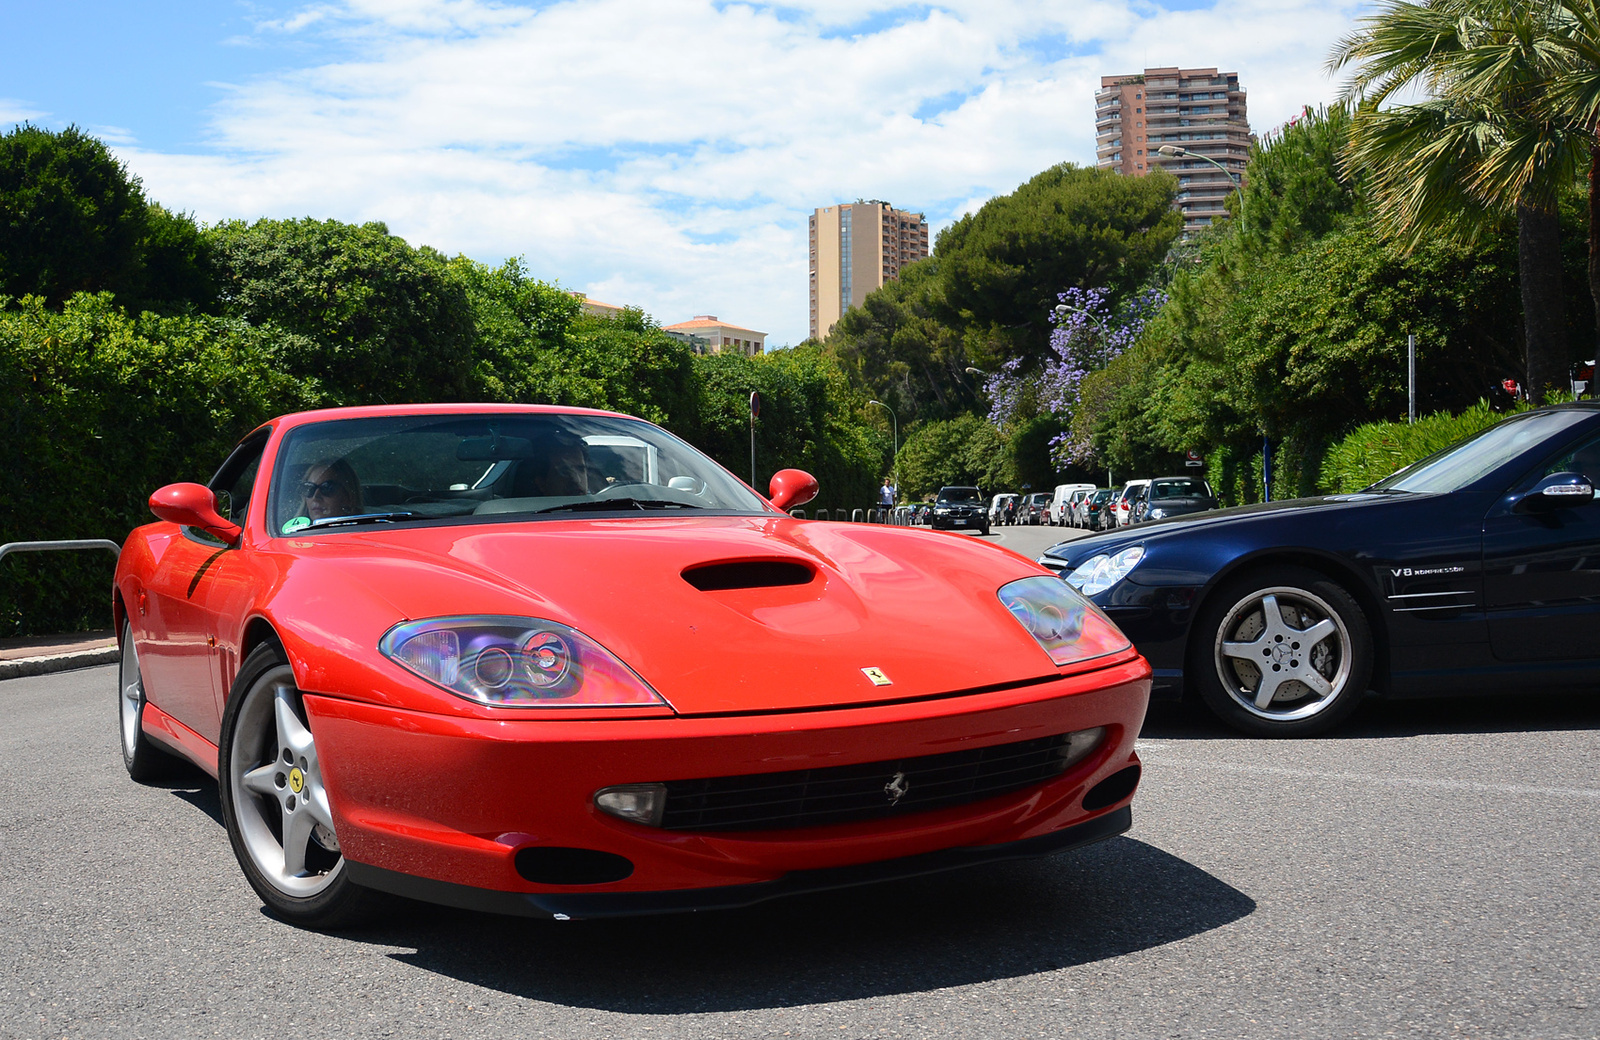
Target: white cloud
[609,140]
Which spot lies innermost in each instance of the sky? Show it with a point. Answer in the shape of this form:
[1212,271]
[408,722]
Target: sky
[657,153]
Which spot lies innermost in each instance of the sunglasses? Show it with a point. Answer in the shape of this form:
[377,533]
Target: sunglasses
[326,488]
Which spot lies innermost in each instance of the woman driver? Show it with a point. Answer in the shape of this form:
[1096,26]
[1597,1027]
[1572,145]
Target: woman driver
[330,488]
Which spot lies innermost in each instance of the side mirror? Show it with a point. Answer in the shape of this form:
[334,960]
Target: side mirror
[792,487]
[1557,491]
[193,505]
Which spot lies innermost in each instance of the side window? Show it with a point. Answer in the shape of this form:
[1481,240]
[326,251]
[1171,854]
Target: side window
[233,484]
[1584,459]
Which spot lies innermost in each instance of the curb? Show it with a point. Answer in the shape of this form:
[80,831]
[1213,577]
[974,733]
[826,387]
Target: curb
[59,662]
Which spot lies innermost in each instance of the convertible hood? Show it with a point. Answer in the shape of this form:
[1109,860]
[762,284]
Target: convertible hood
[774,614]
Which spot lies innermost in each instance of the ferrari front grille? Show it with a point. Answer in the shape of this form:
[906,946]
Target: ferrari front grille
[869,791]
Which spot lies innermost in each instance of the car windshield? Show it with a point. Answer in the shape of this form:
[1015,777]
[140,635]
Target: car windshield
[959,495]
[1184,488]
[398,469]
[1458,466]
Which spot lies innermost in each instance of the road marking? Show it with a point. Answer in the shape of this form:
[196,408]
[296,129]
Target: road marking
[1369,778]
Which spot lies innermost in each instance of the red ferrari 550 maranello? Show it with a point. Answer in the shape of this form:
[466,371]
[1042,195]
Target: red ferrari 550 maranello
[556,662]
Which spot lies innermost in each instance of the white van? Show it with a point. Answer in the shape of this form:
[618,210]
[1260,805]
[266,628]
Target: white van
[1058,504]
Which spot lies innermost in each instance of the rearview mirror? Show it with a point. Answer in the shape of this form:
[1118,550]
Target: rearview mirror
[792,487]
[193,505]
[1557,491]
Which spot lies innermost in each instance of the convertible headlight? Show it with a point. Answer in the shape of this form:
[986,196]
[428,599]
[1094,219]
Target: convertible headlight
[516,662]
[1098,573]
[1067,626]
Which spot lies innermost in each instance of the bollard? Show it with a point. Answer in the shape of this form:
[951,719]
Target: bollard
[797,513]
[857,515]
[822,514]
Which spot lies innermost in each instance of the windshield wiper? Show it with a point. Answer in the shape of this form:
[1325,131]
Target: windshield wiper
[618,502]
[362,518]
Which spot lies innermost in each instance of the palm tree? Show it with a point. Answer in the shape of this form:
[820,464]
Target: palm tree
[1489,140]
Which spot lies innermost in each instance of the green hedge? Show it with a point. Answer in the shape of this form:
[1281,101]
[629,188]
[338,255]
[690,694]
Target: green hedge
[102,409]
[1376,450]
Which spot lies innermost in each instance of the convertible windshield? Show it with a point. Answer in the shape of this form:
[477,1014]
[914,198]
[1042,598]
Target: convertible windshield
[400,469]
[1458,466]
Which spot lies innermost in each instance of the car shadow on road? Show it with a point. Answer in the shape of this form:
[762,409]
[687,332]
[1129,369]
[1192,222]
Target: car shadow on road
[1377,718]
[975,925]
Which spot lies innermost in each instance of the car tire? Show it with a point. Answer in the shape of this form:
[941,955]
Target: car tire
[274,804]
[144,761]
[1316,680]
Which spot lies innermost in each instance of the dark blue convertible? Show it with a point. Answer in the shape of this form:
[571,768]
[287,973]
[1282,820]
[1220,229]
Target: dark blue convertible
[1474,570]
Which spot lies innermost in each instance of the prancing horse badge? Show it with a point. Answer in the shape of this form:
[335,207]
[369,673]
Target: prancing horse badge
[877,676]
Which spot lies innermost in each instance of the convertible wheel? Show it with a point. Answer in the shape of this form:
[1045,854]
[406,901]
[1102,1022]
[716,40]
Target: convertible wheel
[274,803]
[143,760]
[1282,652]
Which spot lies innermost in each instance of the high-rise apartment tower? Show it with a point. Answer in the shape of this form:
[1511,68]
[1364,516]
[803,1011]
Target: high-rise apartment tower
[1201,111]
[855,248]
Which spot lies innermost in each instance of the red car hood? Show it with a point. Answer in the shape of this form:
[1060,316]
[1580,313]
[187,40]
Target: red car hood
[918,606]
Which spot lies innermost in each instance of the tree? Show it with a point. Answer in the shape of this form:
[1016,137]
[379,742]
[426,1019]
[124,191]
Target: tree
[985,296]
[1486,143]
[369,317]
[71,216]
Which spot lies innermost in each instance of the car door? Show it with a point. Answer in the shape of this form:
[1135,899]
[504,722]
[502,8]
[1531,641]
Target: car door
[195,575]
[1542,570]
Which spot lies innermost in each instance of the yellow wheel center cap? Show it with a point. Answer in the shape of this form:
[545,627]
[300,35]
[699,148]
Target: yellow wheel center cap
[297,781]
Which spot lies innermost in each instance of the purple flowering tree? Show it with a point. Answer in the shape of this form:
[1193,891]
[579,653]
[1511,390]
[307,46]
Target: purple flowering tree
[1089,333]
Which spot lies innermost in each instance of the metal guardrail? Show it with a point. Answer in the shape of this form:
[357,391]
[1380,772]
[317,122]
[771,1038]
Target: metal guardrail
[79,543]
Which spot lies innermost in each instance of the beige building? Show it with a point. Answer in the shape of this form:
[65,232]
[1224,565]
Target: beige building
[1201,111]
[708,335]
[597,308]
[855,248]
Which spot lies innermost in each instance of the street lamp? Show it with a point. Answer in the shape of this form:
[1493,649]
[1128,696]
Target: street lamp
[895,468]
[1173,151]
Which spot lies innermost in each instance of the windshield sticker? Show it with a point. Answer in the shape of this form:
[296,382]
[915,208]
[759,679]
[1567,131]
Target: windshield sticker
[299,523]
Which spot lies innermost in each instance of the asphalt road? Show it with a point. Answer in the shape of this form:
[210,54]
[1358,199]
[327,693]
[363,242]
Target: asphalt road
[1429,871]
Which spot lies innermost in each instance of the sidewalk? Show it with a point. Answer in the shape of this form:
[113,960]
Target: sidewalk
[38,655]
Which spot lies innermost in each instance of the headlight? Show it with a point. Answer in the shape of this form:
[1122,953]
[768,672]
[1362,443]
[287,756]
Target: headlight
[1067,626]
[1158,514]
[1099,573]
[516,662]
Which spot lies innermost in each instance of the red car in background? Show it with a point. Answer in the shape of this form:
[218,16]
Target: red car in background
[554,661]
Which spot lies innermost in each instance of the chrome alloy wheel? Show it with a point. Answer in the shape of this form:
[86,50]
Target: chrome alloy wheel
[280,802]
[131,698]
[1283,654]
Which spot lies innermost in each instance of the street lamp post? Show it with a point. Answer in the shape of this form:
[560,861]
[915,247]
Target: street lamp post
[895,466]
[1173,151]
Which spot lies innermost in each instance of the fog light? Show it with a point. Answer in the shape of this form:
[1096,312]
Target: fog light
[1078,745]
[637,803]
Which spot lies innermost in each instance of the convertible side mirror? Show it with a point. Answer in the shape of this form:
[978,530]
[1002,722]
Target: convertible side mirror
[193,505]
[792,487]
[1557,491]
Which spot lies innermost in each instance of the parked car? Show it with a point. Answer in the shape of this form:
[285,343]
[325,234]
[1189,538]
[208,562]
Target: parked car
[1476,569]
[997,507]
[1094,509]
[556,662]
[1034,508]
[1058,501]
[921,512]
[960,508]
[1121,506]
[1076,506]
[1175,496]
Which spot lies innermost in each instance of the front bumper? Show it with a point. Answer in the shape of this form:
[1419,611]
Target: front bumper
[453,800]
[568,906]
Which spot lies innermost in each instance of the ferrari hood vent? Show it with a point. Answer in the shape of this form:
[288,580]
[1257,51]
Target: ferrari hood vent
[748,574]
